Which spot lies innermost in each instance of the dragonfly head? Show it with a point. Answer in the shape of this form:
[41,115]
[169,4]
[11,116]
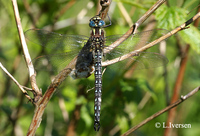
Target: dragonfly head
[97,22]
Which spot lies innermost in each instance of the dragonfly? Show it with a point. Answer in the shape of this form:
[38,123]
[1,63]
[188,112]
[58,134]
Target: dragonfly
[91,51]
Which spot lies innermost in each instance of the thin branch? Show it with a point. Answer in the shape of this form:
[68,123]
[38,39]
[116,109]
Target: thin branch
[149,12]
[15,81]
[179,101]
[27,57]
[12,72]
[105,4]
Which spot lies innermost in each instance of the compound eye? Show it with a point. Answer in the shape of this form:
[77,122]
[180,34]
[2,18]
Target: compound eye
[92,24]
[101,23]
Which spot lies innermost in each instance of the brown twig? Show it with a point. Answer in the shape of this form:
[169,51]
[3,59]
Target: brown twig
[15,81]
[105,4]
[12,72]
[149,12]
[179,101]
[32,74]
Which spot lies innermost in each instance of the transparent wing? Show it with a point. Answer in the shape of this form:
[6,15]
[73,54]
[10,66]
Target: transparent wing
[59,49]
[53,62]
[54,42]
[134,42]
[143,60]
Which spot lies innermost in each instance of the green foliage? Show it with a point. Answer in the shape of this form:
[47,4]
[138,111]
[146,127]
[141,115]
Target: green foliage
[128,97]
[171,17]
[191,36]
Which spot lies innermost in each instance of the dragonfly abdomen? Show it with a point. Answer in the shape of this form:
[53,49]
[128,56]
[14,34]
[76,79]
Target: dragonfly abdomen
[98,44]
[98,88]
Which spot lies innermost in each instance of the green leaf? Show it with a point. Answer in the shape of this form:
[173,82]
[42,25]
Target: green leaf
[170,17]
[191,36]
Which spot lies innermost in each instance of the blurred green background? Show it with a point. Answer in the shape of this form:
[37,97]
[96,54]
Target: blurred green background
[126,100]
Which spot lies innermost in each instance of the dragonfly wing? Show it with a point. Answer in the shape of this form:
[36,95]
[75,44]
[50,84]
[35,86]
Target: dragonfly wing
[132,43]
[54,42]
[59,49]
[148,60]
[143,60]
[54,62]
